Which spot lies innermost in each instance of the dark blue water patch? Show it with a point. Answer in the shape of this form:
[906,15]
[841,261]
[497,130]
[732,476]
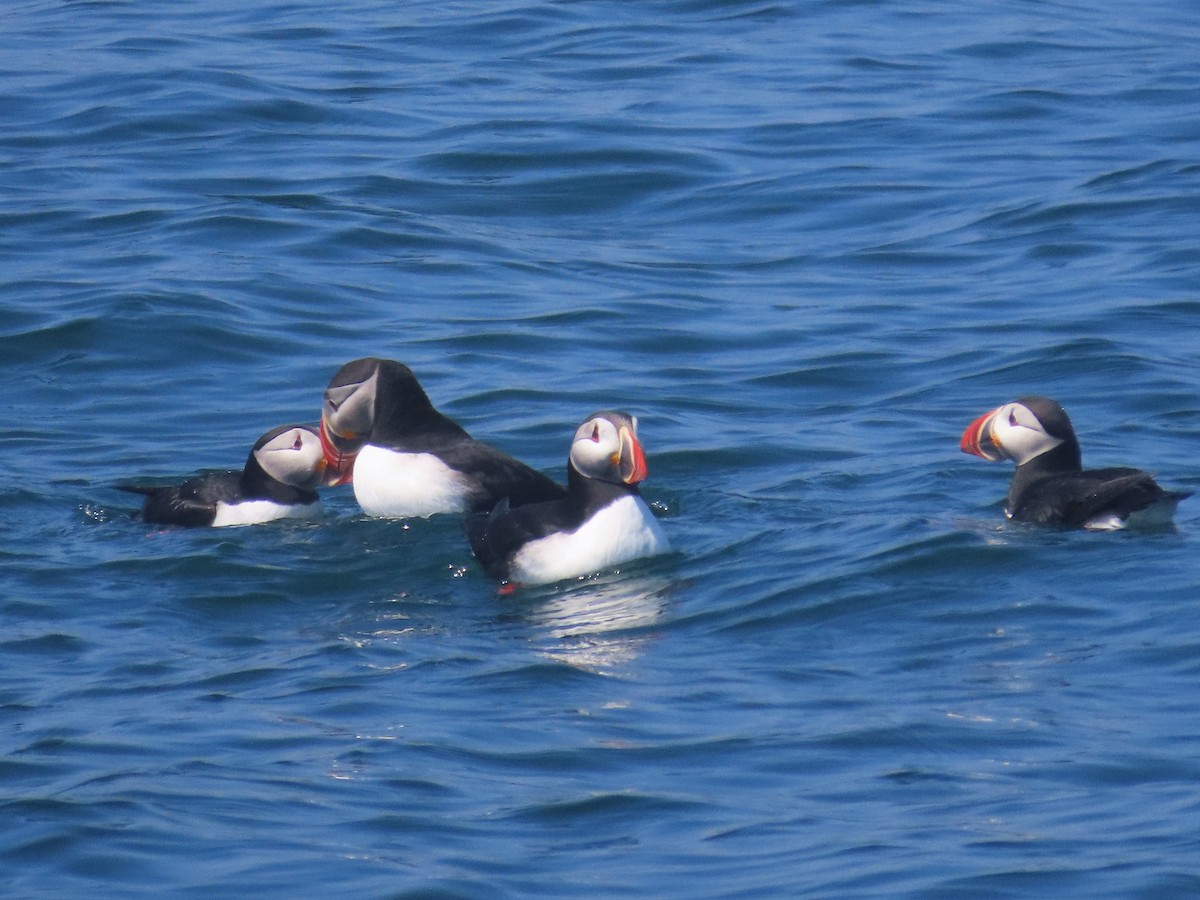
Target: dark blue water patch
[1065,252]
[65,337]
[41,645]
[70,834]
[603,810]
[1002,883]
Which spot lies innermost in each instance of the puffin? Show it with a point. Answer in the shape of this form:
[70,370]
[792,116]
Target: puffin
[279,481]
[1050,486]
[381,433]
[601,522]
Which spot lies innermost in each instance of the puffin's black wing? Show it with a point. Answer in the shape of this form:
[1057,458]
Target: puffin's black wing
[1078,498]
[485,547]
[496,536]
[497,476]
[191,504]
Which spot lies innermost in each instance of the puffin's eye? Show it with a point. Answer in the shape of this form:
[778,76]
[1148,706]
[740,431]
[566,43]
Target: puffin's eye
[299,442]
[1012,418]
[596,433]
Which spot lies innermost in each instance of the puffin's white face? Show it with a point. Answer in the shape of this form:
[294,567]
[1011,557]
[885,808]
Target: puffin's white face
[1009,432]
[606,448]
[347,417]
[348,411]
[293,457]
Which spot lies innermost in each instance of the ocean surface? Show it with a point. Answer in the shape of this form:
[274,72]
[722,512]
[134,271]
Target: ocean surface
[805,243]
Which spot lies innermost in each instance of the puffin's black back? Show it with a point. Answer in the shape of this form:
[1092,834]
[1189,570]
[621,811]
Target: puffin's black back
[1074,499]
[497,476]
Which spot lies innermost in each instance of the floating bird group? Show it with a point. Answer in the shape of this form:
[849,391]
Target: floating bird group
[380,433]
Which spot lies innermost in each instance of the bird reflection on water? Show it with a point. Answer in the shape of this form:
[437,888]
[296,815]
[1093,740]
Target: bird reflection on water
[599,623]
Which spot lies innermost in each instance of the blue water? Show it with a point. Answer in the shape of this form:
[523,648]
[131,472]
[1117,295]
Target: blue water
[805,243]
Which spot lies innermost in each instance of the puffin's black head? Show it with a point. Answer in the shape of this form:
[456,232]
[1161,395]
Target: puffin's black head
[291,455]
[1052,416]
[364,397]
[606,448]
[1022,431]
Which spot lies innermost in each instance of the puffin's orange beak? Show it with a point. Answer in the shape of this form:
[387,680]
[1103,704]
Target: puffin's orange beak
[632,461]
[341,465]
[978,439]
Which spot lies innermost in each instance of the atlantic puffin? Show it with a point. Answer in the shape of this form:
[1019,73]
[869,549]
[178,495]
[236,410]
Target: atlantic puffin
[279,481]
[1050,486]
[601,522]
[380,432]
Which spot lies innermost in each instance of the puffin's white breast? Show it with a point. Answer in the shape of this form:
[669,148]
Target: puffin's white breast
[391,484]
[621,531]
[255,512]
